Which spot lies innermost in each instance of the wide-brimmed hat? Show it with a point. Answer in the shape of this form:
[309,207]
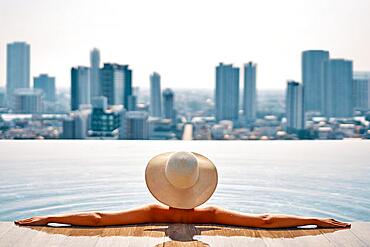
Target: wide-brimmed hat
[181,179]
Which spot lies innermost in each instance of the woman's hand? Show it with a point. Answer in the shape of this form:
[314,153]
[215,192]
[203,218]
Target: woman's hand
[331,223]
[34,221]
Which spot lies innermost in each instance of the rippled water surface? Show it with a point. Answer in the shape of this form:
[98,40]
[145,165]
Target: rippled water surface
[313,178]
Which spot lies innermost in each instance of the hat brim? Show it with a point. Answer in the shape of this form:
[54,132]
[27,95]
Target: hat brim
[189,198]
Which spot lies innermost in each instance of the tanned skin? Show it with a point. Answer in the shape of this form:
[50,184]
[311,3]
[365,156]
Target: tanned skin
[154,213]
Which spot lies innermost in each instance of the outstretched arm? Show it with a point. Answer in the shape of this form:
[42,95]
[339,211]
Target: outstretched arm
[228,217]
[163,214]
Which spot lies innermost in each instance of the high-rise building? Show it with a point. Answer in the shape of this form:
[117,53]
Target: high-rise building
[294,106]
[105,120]
[111,81]
[227,92]
[18,68]
[361,91]
[313,79]
[28,101]
[168,105]
[250,97]
[47,85]
[75,125]
[80,87]
[94,73]
[155,95]
[136,126]
[116,83]
[127,85]
[338,78]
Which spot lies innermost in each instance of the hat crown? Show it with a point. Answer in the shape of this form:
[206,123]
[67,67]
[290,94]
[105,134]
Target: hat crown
[182,169]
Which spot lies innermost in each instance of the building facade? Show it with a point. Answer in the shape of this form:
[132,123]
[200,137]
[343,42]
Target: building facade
[116,84]
[136,126]
[28,101]
[105,120]
[80,87]
[75,125]
[361,91]
[155,95]
[313,79]
[168,104]
[294,106]
[94,73]
[338,78]
[17,68]
[47,84]
[250,94]
[227,92]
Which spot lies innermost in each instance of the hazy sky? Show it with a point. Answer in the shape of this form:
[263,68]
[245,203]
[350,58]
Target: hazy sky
[184,40]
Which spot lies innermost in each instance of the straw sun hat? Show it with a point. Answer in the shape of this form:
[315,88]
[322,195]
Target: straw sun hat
[181,179]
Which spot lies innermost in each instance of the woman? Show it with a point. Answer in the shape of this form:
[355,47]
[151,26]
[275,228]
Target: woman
[182,181]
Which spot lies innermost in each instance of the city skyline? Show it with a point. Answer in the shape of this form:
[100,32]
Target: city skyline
[275,46]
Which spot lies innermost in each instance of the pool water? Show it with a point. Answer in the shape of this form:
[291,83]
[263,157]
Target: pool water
[312,178]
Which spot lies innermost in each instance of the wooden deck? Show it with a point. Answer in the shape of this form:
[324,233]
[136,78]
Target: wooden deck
[180,235]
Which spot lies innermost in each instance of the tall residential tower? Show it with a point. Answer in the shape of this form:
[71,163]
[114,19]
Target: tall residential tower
[94,73]
[313,79]
[155,95]
[338,80]
[80,87]
[17,68]
[294,106]
[250,97]
[227,92]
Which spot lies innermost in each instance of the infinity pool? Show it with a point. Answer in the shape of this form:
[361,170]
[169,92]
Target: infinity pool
[313,178]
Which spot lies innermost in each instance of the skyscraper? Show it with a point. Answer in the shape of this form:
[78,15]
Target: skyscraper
[313,79]
[361,91]
[227,92]
[155,95]
[94,73]
[127,85]
[338,76]
[250,97]
[294,106]
[111,81]
[47,85]
[18,68]
[168,105]
[80,87]
[116,83]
